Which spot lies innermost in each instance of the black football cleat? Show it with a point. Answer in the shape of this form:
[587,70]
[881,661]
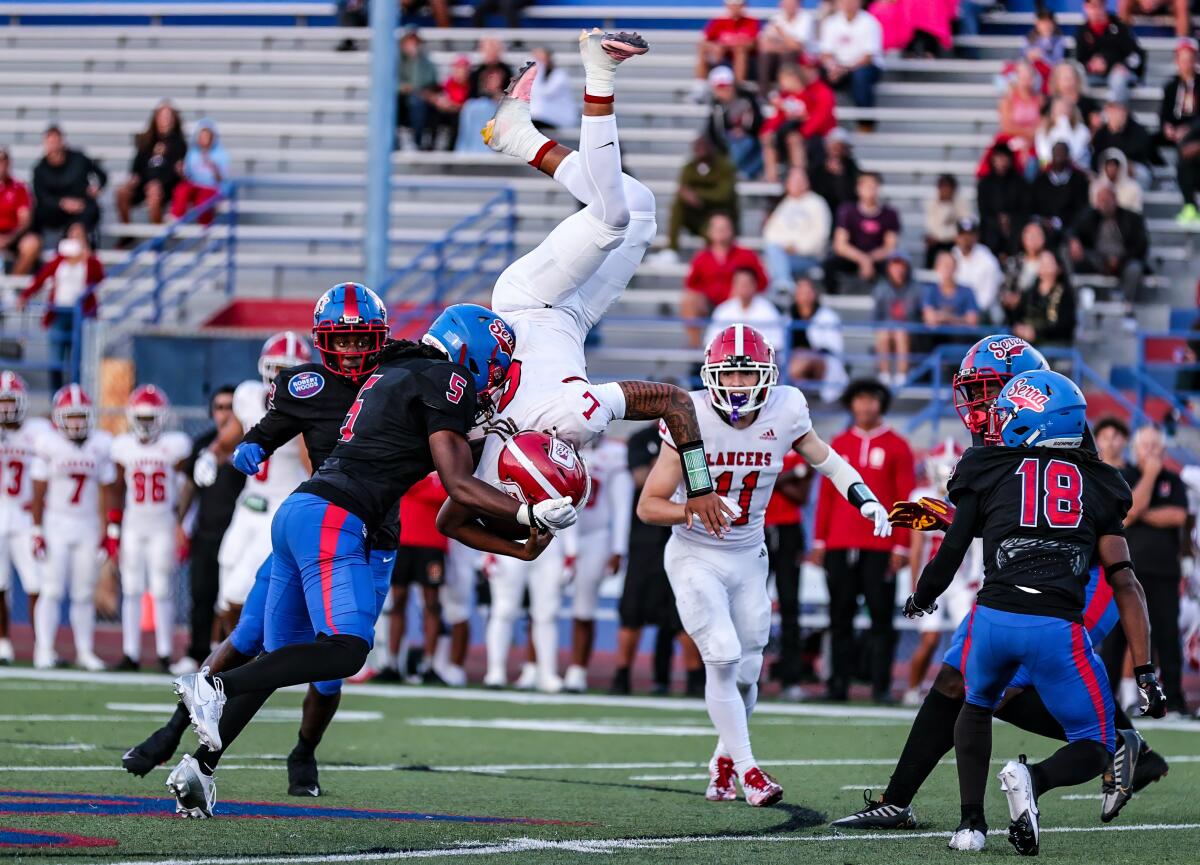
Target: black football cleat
[125,665]
[302,775]
[1151,767]
[877,814]
[158,748]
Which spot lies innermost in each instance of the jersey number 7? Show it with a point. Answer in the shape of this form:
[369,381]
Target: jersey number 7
[1061,504]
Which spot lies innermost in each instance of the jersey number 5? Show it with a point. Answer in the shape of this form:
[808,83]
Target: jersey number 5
[347,429]
[1062,502]
[457,386]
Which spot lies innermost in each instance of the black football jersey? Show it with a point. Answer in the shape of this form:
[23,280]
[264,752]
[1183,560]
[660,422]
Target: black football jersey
[383,446]
[311,401]
[1040,514]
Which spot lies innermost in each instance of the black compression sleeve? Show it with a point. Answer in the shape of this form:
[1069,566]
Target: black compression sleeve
[940,571]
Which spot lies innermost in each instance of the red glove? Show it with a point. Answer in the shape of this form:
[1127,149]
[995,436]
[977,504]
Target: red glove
[39,544]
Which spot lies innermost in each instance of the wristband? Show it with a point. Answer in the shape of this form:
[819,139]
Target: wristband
[1118,567]
[696,479]
[1144,670]
[859,494]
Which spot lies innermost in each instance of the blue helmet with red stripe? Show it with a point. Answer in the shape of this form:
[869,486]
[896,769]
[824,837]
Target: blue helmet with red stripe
[480,340]
[985,369]
[1039,409]
[349,328]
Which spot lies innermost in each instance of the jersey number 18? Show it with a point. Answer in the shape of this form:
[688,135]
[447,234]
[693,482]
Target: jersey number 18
[1061,504]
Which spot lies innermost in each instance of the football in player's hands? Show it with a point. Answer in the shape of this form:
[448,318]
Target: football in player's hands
[1152,700]
[247,457]
[877,513]
[924,515]
[914,611]
[204,473]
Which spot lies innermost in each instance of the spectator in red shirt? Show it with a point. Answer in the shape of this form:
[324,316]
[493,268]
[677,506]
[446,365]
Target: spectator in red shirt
[858,564]
[420,560]
[711,276]
[16,217]
[804,110]
[785,546]
[730,39]
[456,89]
[866,234]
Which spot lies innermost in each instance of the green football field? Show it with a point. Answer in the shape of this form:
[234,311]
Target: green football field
[481,776]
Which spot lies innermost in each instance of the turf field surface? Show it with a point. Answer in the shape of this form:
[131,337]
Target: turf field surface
[414,773]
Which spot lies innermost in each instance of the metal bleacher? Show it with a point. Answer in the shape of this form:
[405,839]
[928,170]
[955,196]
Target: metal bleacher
[292,111]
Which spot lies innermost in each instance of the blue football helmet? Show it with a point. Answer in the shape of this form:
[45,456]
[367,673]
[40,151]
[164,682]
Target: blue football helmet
[985,369]
[349,328]
[1039,409]
[480,340]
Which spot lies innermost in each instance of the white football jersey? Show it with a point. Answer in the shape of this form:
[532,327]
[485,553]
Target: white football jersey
[151,480]
[74,472]
[283,472]
[745,463]
[17,448]
[609,507]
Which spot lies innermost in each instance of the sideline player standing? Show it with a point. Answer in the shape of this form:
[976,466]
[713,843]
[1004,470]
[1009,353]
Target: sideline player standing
[18,438]
[720,585]
[71,467]
[148,462]
[1042,505]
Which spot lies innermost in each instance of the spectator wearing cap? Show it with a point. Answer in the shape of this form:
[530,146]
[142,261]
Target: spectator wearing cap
[729,40]
[552,104]
[1045,313]
[734,121]
[66,186]
[817,342]
[788,33]
[1108,50]
[1121,131]
[947,302]
[1114,173]
[1060,191]
[16,220]
[976,267]
[803,112]
[866,235]
[747,305]
[1110,241]
[835,175]
[1004,202]
[707,186]
[943,211]
[416,88]
[796,234]
[851,50]
[857,564]
[1177,117]
[1126,9]
[710,279]
[897,299]
[448,104]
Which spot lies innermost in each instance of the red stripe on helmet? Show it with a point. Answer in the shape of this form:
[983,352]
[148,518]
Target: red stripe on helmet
[350,302]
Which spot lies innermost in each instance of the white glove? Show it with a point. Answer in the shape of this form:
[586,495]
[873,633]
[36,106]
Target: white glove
[204,473]
[877,513]
[551,515]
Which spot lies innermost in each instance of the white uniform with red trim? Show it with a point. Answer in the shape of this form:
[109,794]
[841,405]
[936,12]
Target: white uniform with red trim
[247,541]
[16,491]
[720,585]
[603,527]
[74,473]
[956,601]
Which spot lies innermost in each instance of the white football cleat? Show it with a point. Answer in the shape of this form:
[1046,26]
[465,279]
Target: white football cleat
[1024,833]
[967,839]
[453,675]
[44,660]
[195,793]
[511,130]
[528,679]
[722,780]
[1116,786]
[6,651]
[549,684]
[204,700]
[575,681]
[760,789]
[90,662]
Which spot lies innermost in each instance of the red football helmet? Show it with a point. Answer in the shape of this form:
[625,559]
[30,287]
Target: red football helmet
[14,398]
[536,466]
[940,463]
[739,348]
[281,351]
[147,412]
[72,412]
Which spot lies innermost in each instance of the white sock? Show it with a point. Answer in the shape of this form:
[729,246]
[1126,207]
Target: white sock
[45,626]
[83,623]
[545,643]
[600,154]
[164,625]
[499,640]
[131,625]
[727,711]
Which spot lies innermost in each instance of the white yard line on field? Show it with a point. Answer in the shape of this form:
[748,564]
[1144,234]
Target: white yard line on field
[165,709]
[70,746]
[610,845]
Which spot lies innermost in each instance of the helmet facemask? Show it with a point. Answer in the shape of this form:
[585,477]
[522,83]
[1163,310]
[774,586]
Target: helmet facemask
[975,391]
[748,393]
[74,423]
[12,408]
[146,423]
[350,350]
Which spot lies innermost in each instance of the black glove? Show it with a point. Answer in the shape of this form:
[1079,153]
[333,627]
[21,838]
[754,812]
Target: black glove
[1151,697]
[912,610]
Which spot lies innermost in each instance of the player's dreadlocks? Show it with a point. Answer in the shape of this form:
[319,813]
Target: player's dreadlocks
[398,349]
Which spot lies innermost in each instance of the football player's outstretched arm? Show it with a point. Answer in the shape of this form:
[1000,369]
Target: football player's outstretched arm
[456,522]
[1135,621]
[652,400]
[845,479]
[654,505]
[940,571]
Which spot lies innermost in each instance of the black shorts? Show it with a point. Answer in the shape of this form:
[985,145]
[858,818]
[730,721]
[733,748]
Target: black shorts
[647,599]
[424,566]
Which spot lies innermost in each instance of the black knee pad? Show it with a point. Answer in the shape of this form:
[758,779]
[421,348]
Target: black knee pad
[352,650]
